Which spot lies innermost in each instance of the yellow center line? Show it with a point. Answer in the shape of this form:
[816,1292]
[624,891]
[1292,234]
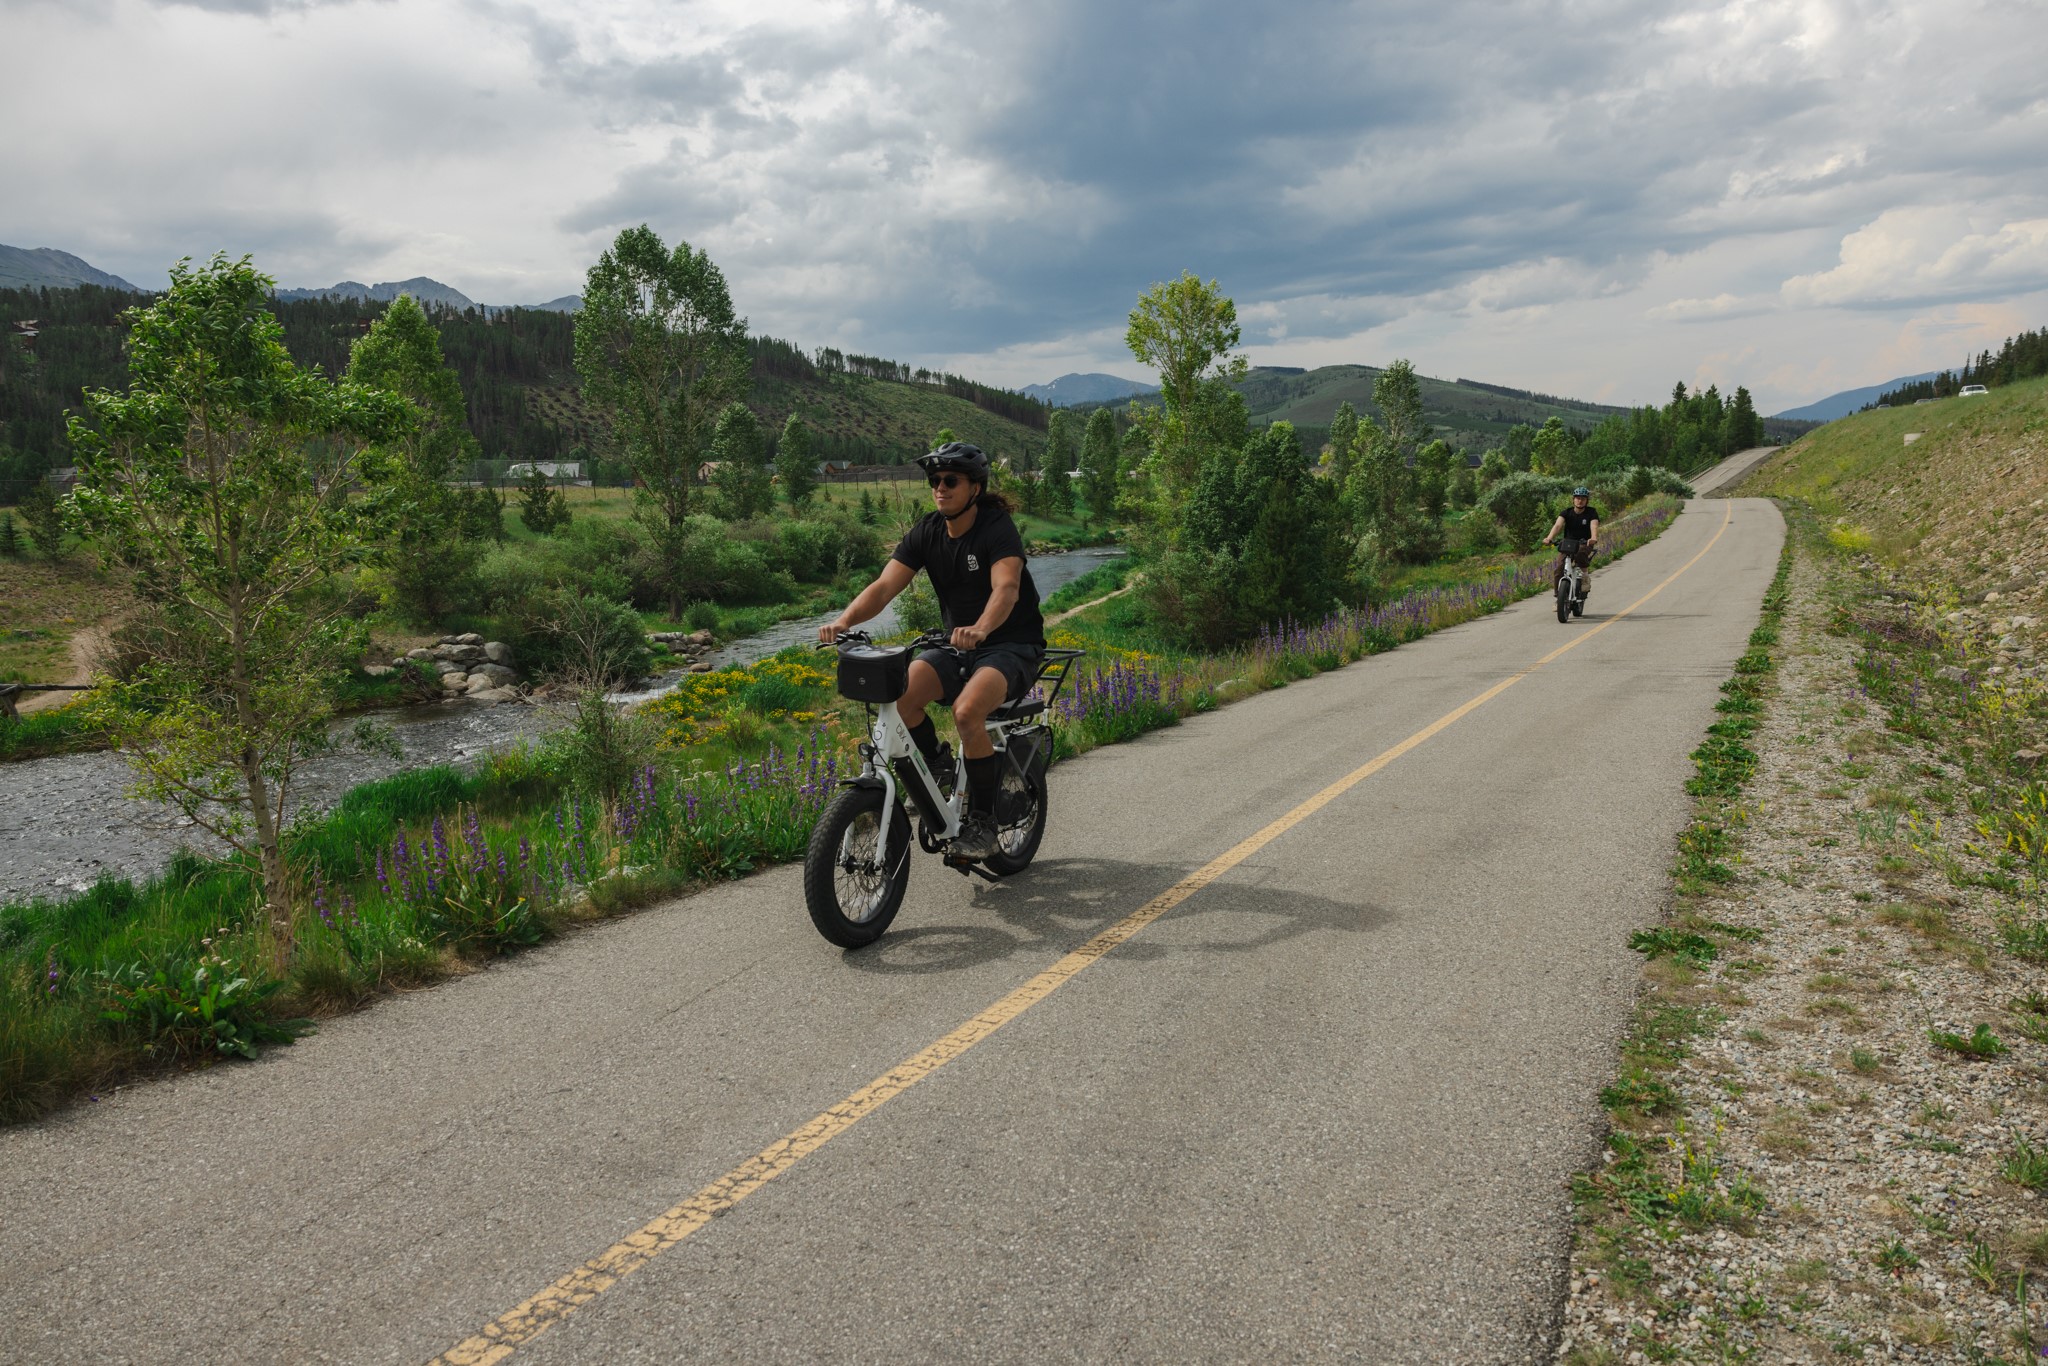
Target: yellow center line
[528,1320]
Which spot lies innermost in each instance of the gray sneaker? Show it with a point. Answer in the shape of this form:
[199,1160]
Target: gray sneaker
[976,840]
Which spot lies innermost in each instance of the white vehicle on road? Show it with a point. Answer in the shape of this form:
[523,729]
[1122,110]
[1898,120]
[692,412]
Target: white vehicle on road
[1972,390]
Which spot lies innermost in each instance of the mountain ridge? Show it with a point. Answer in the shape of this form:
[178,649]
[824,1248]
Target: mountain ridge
[1848,400]
[1070,390]
[49,268]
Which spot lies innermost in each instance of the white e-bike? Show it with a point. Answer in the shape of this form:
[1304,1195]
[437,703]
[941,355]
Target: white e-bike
[858,863]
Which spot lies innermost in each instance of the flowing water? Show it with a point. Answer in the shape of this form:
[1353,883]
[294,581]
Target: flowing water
[66,820]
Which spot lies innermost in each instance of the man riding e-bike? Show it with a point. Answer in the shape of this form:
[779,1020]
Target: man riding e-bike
[970,547]
[1581,523]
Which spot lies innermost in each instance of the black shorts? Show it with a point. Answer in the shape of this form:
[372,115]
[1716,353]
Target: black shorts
[1017,663]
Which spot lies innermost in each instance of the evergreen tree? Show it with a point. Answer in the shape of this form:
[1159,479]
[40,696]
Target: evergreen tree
[10,538]
[1745,428]
[1398,396]
[795,466]
[1061,443]
[44,520]
[543,508]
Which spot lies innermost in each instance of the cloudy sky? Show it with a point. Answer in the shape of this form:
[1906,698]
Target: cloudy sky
[1592,198]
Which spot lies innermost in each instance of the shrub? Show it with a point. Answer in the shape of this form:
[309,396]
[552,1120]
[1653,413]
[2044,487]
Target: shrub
[1518,502]
[587,640]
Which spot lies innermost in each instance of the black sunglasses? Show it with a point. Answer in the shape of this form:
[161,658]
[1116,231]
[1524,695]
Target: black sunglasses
[947,480]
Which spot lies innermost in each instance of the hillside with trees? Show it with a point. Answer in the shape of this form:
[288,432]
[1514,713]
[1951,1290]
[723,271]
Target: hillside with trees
[519,380]
[2022,357]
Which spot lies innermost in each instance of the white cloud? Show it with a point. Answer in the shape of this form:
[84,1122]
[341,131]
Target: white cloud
[1915,255]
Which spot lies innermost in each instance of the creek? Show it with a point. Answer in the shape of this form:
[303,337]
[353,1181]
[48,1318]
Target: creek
[67,820]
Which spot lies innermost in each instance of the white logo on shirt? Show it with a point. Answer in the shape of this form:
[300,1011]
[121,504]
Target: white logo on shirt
[972,563]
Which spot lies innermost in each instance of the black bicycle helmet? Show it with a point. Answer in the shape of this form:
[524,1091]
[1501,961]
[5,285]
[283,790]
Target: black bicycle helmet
[971,461]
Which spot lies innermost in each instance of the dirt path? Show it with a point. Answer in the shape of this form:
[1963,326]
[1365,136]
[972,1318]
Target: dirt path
[87,646]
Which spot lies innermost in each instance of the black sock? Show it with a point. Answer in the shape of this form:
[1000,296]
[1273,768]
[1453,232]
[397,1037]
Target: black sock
[983,776]
[926,737]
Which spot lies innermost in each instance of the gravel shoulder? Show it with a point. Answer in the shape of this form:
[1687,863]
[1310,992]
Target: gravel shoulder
[1798,1170]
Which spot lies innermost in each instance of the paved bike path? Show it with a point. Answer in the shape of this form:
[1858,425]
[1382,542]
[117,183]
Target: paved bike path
[1326,1108]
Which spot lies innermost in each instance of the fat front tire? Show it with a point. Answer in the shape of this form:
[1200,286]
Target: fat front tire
[1564,598]
[1017,842]
[851,897]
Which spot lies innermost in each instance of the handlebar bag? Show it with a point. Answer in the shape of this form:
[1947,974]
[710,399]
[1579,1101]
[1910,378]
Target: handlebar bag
[874,673]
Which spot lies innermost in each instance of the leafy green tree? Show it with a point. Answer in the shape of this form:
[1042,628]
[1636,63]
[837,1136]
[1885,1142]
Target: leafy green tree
[543,508]
[428,556]
[1185,330]
[1398,395]
[1262,541]
[661,353]
[795,466]
[1099,474]
[1434,465]
[1343,453]
[1518,446]
[1551,451]
[234,486]
[741,474]
[44,520]
[1493,467]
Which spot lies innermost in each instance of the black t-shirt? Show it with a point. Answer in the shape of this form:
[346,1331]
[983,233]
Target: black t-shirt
[1578,526]
[960,570]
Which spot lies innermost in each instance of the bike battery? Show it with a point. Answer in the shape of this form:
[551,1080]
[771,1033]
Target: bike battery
[874,673]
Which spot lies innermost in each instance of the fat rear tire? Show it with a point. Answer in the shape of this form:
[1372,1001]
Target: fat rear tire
[850,897]
[1017,843]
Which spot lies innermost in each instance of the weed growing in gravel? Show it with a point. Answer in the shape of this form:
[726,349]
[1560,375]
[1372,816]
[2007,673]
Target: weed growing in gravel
[1979,1043]
[2028,1164]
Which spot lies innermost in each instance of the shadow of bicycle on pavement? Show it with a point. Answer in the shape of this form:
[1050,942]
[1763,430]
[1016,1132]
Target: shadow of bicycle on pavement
[1057,905]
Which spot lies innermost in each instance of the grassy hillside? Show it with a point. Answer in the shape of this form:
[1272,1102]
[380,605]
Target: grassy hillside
[1965,503]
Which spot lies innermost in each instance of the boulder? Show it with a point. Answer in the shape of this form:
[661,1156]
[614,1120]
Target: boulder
[498,652]
[445,667]
[702,666]
[454,682]
[497,695]
[479,683]
[699,638]
[469,638]
[419,652]
[499,675]
[377,670]
[469,654]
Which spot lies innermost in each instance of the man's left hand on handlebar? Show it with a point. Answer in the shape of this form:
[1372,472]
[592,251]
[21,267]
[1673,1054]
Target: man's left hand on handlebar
[830,632]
